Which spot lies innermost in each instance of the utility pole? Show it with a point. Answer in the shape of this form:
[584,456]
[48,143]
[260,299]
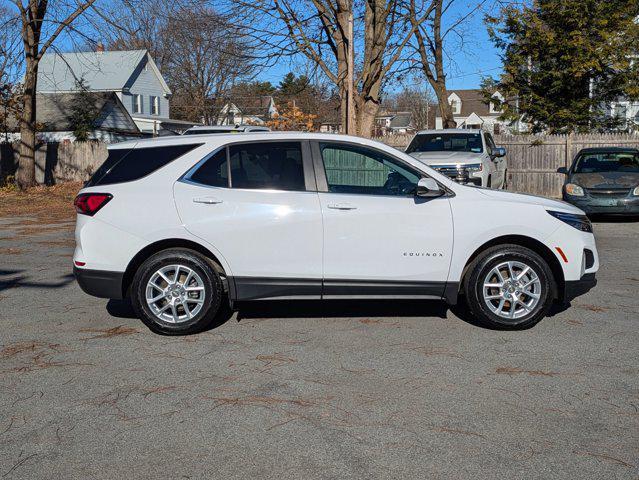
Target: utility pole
[5,100]
[350,108]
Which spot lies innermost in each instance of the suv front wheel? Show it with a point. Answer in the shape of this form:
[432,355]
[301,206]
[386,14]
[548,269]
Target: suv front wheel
[509,287]
[176,291]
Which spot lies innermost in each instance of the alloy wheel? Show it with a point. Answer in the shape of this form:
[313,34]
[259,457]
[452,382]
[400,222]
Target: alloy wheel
[512,290]
[175,293]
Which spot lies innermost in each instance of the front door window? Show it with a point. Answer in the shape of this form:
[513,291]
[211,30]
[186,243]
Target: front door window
[358,170]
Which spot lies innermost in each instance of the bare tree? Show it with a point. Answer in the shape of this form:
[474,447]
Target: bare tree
[327,31]
[200,52]
[416,100]
[430,38]
[9,47]
[209,58]
[40,27]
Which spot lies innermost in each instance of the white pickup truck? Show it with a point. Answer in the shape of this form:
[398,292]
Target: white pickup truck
[467,156]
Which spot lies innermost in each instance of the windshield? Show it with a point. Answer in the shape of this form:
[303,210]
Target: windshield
[446,142]
[607,162]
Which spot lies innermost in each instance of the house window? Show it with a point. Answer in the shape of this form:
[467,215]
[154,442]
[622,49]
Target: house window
[155,105]
[137,103]
[620,111]
[455,105]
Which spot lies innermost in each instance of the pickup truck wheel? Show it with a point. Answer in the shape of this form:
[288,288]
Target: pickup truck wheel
[509,287]
[176,292]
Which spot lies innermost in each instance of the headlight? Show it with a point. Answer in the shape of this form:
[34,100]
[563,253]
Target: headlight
[574,190]
[580,222]
[636,191]
[474,167]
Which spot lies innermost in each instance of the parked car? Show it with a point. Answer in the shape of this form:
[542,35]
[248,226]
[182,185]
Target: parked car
[469,157]
[179,224]
[604,180]
[210,129]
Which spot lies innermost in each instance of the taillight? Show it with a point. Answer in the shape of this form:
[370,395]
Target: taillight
[90,203]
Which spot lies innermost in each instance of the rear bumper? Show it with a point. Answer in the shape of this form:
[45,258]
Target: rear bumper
[576,288]
[100,283]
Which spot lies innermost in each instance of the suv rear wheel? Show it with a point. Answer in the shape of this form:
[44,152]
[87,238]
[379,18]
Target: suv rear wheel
[509,287]
[176,291]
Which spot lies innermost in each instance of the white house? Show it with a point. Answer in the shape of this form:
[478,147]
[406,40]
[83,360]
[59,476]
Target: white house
[470,110]
[132,75]
[249,110]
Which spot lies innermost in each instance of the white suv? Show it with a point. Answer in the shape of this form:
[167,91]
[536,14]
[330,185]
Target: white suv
[181,224]
[468,156]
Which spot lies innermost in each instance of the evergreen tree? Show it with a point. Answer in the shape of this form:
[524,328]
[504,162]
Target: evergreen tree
[565,61]
[292,85]
[83,112]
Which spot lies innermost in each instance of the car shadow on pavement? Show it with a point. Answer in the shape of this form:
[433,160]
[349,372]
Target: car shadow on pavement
[17,279]
[332,309]
[341,308]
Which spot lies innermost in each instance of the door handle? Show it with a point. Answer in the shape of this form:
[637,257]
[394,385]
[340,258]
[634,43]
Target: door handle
[341,206]
[207,200]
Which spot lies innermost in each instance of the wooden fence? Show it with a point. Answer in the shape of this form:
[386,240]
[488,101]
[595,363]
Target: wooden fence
[533,160]
[57,162]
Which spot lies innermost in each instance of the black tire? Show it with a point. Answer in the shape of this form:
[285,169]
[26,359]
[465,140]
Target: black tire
[484,264]
[212,293]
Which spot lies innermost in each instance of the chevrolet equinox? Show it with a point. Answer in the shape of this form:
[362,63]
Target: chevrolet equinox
[181,224]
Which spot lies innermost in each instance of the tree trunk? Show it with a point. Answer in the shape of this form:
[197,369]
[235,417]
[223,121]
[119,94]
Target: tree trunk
[25,176]
[366,108]
[445,109]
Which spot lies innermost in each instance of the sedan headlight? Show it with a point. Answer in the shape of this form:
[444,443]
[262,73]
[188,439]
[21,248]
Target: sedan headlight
[574,190]
[580,222]
[636,191]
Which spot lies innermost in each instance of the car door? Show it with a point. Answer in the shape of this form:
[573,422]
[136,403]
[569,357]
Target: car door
[256,203]
[379,238]
[499,162]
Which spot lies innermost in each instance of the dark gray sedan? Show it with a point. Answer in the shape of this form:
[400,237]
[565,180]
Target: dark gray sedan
[604,181]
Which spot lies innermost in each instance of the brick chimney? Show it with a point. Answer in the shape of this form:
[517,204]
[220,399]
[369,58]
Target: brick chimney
[99,48]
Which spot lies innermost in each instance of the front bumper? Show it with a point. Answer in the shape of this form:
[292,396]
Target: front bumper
[576,288]
[100,283]
[605,205]
[460,174]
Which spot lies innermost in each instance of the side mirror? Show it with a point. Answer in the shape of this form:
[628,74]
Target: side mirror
[427,187]
[499,152]
[562,170]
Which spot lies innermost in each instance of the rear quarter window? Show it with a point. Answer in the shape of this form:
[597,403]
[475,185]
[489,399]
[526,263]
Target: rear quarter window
[129,164]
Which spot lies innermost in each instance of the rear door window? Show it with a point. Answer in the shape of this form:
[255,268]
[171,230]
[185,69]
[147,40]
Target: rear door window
[126,165]
[268,165]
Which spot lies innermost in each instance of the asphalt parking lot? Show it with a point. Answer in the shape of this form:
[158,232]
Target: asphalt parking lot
[295,390]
